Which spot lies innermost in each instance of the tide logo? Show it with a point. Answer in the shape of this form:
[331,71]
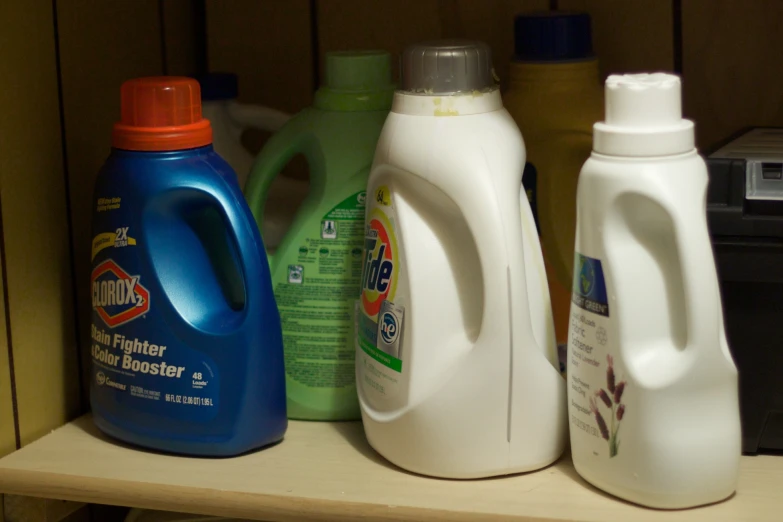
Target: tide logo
[117,296]
[379,272]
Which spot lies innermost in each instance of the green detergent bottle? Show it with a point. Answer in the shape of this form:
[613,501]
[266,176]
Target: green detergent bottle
[317,268]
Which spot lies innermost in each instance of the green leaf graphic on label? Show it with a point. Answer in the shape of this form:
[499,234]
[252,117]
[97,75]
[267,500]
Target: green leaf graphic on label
[585,284]
[349,209]
[589,288]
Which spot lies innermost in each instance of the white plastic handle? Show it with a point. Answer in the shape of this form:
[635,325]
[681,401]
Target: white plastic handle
[697,266]
[484,222]
[538,298]
[687,262]
[257,116]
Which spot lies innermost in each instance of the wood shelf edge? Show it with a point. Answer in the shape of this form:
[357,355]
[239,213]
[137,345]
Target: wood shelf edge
[324,472]
[205,501]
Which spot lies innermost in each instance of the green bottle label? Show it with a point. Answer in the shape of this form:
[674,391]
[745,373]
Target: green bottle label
[316,298]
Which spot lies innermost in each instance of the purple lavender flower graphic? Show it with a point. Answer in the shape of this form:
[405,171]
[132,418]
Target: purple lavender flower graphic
[611,400]
[599,419]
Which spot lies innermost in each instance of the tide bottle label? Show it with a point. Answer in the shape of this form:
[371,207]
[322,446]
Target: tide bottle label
[380,327]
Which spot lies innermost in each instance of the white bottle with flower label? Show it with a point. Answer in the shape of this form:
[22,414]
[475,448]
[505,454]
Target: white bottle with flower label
[652,388]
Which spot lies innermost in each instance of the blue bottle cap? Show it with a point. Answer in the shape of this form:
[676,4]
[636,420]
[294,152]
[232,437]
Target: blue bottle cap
[552,36]
[218,86]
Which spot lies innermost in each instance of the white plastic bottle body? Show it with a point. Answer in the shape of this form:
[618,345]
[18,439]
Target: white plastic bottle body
[652,389]
[229,120]
[469,387]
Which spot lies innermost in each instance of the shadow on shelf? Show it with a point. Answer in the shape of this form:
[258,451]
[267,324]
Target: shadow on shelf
[353,433]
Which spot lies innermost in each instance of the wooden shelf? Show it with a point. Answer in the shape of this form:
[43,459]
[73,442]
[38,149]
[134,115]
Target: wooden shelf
[327,471]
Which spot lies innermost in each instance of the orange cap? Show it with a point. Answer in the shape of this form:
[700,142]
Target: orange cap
[161,113]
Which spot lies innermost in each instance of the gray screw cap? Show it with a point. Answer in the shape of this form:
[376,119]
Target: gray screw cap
[447,67]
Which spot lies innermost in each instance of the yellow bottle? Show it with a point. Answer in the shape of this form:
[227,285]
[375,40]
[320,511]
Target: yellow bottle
[555,96]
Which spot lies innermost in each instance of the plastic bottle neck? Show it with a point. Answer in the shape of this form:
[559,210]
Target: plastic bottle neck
[577,73]
[441,105]
[660,158]
[327,99]
[163,154]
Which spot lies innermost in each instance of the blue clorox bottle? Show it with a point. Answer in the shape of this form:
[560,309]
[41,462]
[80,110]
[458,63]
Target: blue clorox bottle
[187,353]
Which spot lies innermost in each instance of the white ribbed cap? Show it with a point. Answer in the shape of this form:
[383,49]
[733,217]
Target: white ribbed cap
[643,117]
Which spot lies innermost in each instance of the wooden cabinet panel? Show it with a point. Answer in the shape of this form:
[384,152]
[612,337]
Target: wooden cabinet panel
[102,44]
[268,45]
[345,25]
[630,36]
[18,508]
[732,65]
[358,24]
[7,419]
[180,37]
[38,285]
[491,21]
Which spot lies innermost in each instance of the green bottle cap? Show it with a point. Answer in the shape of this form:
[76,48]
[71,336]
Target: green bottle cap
[356,81]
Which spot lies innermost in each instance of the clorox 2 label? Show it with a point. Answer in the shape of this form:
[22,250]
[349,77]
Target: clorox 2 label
[380,326]
[117,296]
[136,360]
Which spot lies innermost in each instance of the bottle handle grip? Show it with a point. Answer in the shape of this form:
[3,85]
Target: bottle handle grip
[294,138]
[697,272]
[489,247]
[247,238]
[538,297]
[257,116]
[222,222]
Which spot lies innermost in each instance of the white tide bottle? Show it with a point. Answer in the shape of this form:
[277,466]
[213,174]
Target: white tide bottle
[456,365]
[652,389]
